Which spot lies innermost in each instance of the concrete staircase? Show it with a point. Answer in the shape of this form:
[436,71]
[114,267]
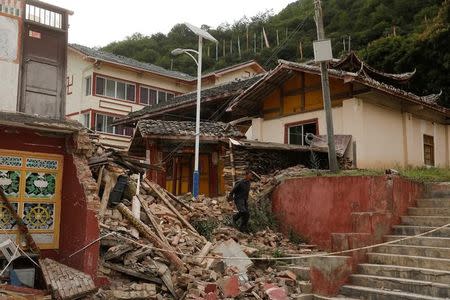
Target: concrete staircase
[418,268]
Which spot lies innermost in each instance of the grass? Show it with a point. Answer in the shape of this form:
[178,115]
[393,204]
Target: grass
[206,227]
[421,174]
[425,174]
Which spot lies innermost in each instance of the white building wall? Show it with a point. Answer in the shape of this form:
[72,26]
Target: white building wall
[385,137]
[9,62]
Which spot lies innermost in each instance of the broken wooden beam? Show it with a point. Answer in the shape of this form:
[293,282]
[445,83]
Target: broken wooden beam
[110,181]
[153,238]
[152,219]
[131,272]
[117,251]
[160,194]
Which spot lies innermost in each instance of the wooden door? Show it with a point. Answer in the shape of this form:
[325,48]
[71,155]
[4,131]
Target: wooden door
[43,71]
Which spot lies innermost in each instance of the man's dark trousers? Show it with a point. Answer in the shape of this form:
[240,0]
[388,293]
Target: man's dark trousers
[243,214]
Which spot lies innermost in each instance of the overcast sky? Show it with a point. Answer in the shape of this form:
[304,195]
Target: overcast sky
[99,22]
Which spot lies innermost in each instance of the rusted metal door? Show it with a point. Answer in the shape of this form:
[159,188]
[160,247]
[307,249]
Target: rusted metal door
[42,77]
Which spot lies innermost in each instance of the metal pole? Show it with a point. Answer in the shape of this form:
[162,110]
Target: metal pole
[334,167]
[196,175]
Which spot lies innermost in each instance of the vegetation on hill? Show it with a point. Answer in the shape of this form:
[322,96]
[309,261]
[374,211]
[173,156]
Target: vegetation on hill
[392,35]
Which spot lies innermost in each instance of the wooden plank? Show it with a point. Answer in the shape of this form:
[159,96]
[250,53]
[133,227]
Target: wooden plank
[157,190]
[117,251]
[99,179]
[152,218]
[131,272]
[23,229]
[111,180]
[148,234]
[204,252]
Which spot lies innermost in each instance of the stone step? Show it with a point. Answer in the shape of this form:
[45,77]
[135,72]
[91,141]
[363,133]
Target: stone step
[437,189]
[414,230]
[409,261]
[434,202]
[420,241]
[436,252]
[437,276]
[425,220]
[303,261]
[407,285]
[427,211]
[368,293]
[301,272]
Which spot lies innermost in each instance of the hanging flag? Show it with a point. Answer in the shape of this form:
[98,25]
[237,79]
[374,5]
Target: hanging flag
[266,40]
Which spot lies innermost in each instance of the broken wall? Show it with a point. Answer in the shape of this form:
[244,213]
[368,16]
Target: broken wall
[78,222]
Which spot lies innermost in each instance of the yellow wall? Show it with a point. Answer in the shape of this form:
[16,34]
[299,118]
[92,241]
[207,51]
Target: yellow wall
[287,100]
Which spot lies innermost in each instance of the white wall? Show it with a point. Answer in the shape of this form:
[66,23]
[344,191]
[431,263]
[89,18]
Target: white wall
[9,63]
[385,136]
[273,130]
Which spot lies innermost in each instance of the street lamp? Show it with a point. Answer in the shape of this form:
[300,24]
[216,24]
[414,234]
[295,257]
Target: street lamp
[202,34]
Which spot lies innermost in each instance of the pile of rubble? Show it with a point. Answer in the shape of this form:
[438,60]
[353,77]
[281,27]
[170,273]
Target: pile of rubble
[151,250]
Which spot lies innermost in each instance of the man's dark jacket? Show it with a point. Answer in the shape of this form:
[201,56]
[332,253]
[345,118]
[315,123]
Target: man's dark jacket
[240,194]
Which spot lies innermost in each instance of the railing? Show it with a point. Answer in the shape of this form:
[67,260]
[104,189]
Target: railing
[43,16]
[11,7]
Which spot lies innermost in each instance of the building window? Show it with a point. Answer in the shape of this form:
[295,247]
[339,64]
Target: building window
[103,123]
[151,96]
[87,85]
[428,149]
[86,120]
[296,132]
[115,89]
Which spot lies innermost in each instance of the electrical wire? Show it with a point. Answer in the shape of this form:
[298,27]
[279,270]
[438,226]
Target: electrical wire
[284,43]
[285,257]
[10,262]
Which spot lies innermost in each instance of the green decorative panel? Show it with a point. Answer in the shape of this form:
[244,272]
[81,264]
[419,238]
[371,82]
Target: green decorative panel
[39,216]
[10,161]
[7,221]
[10,182]
[37,163]
[40,185]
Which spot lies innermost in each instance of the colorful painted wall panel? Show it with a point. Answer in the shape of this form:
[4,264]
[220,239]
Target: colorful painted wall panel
[32,183]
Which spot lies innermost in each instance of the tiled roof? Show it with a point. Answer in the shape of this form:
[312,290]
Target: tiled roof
[25,120]
[186,128]
[118,59]
[228,89]
[249,99]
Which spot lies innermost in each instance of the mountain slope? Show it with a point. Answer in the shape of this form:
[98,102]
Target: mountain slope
[393,35]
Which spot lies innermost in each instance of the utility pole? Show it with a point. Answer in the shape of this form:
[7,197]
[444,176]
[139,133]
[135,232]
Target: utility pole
[334,167]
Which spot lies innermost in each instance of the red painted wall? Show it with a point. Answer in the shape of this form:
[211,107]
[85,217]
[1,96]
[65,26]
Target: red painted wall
[79,224]
[316,207]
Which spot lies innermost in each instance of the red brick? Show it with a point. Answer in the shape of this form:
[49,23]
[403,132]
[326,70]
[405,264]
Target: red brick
[230,286]
[276,293]
[211,288]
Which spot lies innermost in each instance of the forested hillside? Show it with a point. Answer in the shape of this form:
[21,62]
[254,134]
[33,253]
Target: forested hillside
[393,35]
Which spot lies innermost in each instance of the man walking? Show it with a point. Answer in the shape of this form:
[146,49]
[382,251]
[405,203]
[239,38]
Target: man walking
[239,194]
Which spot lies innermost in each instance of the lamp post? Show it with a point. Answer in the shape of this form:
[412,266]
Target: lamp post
[202,34]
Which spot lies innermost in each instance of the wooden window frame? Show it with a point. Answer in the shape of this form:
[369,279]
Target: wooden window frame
[299,123]
[432,146]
